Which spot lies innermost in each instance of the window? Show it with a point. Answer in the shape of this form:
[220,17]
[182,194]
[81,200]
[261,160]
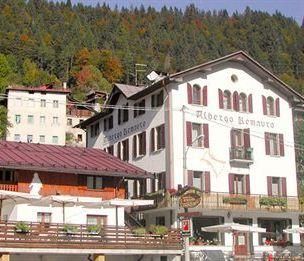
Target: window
[17,137]
[139,145]
[30,119]
[17,119]
[7,176]
[81,121]
[42,120]
[94,182]
[95,129]
[196,94]
[55,139]
[197,135]
[239,184]
[55,121]
[110,150]
[70,122]
[157,138]
[96,220]
[29,138]
[274,144]
[238,138]
[277,186]
[161,180]
[243,103]
[270,106]
[198,180]
[108,123]
[123,150]
[41,139]
[44,217]
[18,102]
[31,102]
[160,221]
[42,103]
[79,137]
[55,104]
[123,115]
[227,100]
[157,100]
[141,105]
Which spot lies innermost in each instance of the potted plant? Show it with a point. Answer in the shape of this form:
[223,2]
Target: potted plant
[273,202]
[69,229]
[139,231]
[22,227]
[94,229]
[235,200]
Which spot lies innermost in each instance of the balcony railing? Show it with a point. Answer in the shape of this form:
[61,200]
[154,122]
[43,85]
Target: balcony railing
[9,187]
[241,154]
[217,200]
[47,235]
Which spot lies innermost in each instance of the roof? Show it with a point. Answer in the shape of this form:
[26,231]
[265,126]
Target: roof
[41,88]
[50,158]
[129,90]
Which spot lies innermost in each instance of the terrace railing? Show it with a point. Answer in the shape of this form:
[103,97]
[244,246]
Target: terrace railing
[49,235]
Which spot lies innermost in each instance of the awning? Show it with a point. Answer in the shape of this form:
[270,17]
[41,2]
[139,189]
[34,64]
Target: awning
[233,227]
[117,202]
[294,230]
[4,194]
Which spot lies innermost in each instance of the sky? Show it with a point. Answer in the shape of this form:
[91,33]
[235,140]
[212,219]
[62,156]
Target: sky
[290,8]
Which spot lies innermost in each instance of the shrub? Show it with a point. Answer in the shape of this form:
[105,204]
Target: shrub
[158,230]
[94,229]
[22,227]
[69,229]
[139,231]
[273,202]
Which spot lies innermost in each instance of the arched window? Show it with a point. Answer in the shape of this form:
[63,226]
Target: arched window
[243,102]
[270,106]
[196,94]
[227,100]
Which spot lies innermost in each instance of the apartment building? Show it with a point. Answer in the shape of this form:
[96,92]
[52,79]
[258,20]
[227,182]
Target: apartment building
[220,138]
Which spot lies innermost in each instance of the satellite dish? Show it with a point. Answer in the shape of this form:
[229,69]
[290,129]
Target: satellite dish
[152,76]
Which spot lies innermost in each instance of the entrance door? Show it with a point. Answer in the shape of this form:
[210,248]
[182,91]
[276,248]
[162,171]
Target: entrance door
[240,244]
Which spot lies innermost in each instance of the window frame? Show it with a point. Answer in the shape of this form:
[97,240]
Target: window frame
[196,88]
[227,100]
[94,184]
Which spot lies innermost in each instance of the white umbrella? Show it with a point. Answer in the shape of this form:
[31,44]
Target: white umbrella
[233,227]
[294,230]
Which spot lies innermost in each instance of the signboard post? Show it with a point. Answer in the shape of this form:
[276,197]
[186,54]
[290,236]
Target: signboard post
[186,233]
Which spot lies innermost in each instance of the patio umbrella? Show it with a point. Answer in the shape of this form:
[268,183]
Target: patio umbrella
[294,230]
[233,227]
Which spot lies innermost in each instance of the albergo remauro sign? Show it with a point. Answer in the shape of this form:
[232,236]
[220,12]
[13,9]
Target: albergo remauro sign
[125,131]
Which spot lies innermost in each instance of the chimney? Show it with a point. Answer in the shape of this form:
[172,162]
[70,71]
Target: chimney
[64,85]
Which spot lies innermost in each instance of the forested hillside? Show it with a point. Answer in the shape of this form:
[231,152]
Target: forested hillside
[91,47]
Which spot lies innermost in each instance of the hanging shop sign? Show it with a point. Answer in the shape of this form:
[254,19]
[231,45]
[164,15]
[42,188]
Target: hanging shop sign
[190,199]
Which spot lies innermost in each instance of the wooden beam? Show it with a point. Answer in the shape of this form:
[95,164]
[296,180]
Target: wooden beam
[99,257]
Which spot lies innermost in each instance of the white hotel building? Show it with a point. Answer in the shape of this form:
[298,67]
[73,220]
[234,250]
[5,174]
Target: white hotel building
[37,114]
[224,127]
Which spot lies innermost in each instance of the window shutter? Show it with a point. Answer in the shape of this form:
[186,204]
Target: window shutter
[126,150]
[189,90]
[250,108]
[230,179]
[144,143]
[189,133]
[247,185]
[119,116]
[220,97]
[134,146]
[205,95]
[207,181]
[236,101]
[247,138]
[264,105]
[277,106]
[152,136]
[267,143]
[269,186]
[281,141]
[190,178]
[119,150]
[163,138]
[206,135]
[153,101]
[284,189]
[232,138]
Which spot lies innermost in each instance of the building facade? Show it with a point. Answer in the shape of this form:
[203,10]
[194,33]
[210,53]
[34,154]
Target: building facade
[68,203]
[225,128]
[37,114]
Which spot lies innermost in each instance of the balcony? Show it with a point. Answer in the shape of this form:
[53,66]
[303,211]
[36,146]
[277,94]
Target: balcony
[218,200]
[70,236]
[241,155]
[9,187]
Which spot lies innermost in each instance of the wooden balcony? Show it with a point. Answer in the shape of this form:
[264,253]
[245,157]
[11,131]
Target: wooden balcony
[228,201]
[50,235]
[9,187]
[241,155]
